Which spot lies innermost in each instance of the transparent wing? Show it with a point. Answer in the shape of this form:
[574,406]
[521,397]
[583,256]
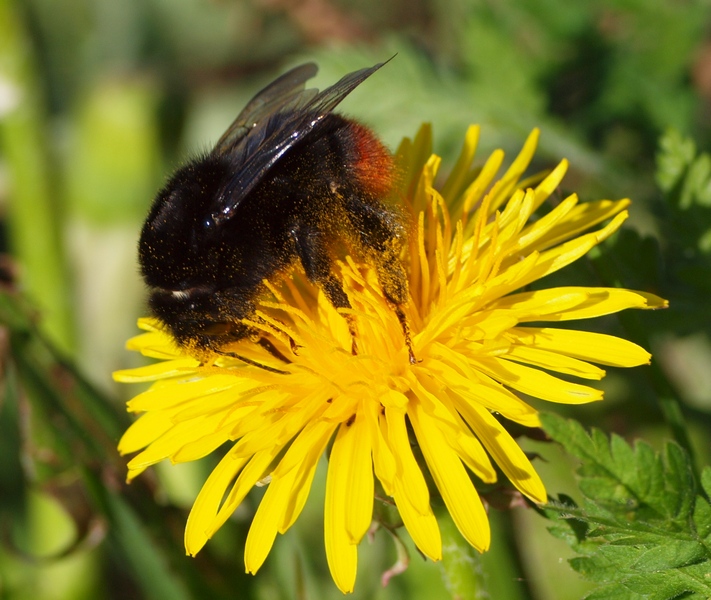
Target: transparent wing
[277,96]
[295,115]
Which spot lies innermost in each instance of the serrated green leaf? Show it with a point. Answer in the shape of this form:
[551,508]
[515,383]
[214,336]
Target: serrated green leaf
[605,563]
[675,155]
[702,519]
[681,173]
[653,588]
[643,528]
[672,555]
[706,481]
[612,593]
[698,181]
[679,477]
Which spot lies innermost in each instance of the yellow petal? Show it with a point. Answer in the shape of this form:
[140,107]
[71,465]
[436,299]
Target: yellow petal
[161,370]
[305,475]
[412,155]
[149,324]
[570,303]
[383,459]
[171,441]
[264,526]
[422,528]
[250,475]
[271,428]
[341,553]
[459,437]
[352,468]
[476,189]
[201,447]
[478,387]
[452,480]
[206,505]
[550,183]
[313,435]
[409,477]
[554,361]
[506,452]
[493,396]
[513,218]
[537,383]
[507,280]
[566,253]
[155,344]
[581,218]
[585,345]
[460,173]
[166,394]
[515,170]
[232,404]
[146,429]
[552,260]
[538,229]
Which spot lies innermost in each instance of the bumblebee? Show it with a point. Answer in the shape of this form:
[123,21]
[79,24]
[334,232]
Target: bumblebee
[289,181]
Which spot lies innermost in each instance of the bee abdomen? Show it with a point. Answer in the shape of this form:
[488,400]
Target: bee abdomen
[372,163]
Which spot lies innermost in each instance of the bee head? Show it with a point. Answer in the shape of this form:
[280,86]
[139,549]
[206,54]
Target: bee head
[177,245]
[200,317]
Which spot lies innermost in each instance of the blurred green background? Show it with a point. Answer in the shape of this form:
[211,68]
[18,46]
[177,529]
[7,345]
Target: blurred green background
[100,100]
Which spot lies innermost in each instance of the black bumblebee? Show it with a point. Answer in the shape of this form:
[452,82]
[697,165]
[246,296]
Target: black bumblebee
[288,181]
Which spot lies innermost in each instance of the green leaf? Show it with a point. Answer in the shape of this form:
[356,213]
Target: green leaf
[683,173]
[131,538]
[675,155]
[644,527]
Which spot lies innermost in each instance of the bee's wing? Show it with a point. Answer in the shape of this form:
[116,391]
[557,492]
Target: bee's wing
[280,93]
[295,115]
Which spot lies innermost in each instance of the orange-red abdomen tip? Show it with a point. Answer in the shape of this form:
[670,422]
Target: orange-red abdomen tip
[373,164]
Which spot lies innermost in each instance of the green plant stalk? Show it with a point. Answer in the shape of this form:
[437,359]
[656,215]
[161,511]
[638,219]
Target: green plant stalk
[82,428]
[33,221]
[56,385]
[130,537]
[461,565]
[502,564]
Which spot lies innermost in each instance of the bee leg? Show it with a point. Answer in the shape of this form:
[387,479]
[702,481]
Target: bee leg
[293,346]
[393,280]
[333,289]
[254,363]
[259,337]
[240,332]
[318,265]
[406,332]
[381,235]
[272,349]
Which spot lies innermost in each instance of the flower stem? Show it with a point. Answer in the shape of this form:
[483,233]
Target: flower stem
[461,565]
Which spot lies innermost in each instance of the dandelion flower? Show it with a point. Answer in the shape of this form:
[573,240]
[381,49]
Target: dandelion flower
[479,341]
